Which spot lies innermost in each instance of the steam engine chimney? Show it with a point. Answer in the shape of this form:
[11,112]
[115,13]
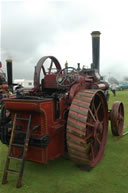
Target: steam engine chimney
[96,49]
[9,73]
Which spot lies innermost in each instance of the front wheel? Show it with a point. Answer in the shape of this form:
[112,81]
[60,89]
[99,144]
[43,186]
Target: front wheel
[117,118]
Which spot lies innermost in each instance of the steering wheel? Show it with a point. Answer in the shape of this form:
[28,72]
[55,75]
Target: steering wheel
[67,77]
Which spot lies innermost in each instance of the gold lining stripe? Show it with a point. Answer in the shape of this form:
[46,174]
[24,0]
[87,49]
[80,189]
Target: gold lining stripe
[95,35]
[9,60]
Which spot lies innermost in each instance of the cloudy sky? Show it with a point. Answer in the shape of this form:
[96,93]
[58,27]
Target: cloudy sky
[32,29]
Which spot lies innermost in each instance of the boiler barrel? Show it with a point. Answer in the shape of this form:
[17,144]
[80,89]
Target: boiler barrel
[96,49]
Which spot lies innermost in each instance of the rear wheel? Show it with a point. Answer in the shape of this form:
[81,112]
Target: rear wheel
[87,127]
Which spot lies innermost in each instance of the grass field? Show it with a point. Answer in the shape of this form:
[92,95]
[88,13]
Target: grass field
[62,175]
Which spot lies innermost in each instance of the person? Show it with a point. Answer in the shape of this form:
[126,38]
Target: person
[114,89]
[106,94]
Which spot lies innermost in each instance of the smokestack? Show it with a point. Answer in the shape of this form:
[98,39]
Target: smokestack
[9,73]
[0,64]
[96,49]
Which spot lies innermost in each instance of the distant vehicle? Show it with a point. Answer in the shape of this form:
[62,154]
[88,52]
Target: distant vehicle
[122,85]
[28,84]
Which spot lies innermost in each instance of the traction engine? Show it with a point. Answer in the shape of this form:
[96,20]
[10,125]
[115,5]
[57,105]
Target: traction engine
[66,110]
[5,86]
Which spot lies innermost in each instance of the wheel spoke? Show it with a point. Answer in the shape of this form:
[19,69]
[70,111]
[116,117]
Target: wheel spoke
[68,80]
[43,70]
[63,80]
[50,67]
[101,128]
[99,105]
[90,124]
[97,139]
[120,117]
[95,110]
[65,71]
[89,135]
[92,114]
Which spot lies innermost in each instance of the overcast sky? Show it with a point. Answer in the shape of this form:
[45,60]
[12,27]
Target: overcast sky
[32,29]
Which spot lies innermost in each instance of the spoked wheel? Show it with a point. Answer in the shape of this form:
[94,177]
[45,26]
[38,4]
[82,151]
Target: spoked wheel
[117,118]
[87,127]
[46,65]
[67,77]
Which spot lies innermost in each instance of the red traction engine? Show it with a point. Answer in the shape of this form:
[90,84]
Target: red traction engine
[65,111]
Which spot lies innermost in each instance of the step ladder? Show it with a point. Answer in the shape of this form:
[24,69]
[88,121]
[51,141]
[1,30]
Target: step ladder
[24,150]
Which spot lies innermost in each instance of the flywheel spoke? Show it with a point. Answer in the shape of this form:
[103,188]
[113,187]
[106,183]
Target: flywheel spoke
[50,67]
[43,70]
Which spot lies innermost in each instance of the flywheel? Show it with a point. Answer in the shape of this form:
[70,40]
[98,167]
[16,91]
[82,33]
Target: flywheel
[87,127]
[117,118]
